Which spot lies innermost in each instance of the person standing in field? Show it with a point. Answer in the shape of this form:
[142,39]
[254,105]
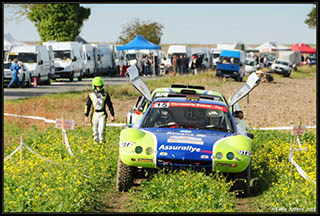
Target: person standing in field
[174,64]
[98,99]
[14,72]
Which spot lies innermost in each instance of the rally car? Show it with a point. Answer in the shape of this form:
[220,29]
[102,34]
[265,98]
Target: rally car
[185,130]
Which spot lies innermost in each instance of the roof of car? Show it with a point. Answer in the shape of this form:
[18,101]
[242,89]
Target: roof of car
[185,99]
[178,90]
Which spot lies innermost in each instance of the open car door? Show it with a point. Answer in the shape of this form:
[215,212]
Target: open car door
[138,82]
[252,82]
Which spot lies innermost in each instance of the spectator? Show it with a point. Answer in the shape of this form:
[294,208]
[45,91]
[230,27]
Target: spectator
[265,61]
[174,64]
[145,65]
[179,64]
[194,65]
[149,65]
[198,62]
[185,64]
[14,72]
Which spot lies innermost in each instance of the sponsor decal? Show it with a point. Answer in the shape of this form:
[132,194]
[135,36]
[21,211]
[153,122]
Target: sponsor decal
[186,131]
[145,160]
[206,151]
[185,139]
[181,134]
[245,153]
[126,144]
[205,156]
[224,164]
[179,148]
[163,153]
[201,135]
[184,104]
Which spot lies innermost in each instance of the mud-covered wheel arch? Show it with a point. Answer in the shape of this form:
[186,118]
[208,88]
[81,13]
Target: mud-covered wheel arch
[125,175]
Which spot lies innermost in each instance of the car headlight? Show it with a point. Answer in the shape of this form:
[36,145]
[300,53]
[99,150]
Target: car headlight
[138,149]
[219,155]
[149,150]
[230,155]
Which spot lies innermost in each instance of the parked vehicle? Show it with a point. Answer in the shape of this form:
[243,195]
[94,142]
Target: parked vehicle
[89,60]
[251,65]
[282,67]
[203,53]
[24,75]
[68,59]
[231,64]
[35,59]
[215,55]
[178,50]
[105,59]
[52,64]
[292,56]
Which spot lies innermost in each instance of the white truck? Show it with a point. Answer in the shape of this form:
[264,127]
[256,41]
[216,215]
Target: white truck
[68,59]
[292,56]
[178,50]
[204,53]
[215,54]
[35,59]
[89,60]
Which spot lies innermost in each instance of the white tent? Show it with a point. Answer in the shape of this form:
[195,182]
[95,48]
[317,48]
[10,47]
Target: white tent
[10,41]
[271,47]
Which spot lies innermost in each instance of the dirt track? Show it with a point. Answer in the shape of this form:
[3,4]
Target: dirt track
[282,102]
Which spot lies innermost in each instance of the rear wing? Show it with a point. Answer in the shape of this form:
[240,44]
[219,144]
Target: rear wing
[138,82]
[252,82]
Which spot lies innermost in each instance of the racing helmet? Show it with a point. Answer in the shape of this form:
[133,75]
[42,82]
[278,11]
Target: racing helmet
[97,81]
[214,117]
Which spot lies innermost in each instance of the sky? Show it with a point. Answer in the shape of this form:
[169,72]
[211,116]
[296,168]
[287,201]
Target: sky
[191,23]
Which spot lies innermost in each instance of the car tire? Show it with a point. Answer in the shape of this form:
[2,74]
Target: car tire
[80,77]
[29,84]
[71,76]
[23,81]
[218,74]
[242,182]
[125,176]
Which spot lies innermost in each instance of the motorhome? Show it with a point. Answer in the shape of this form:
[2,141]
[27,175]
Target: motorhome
[105,59]
[68,59]
[231,64]
[89,60]
[35,59]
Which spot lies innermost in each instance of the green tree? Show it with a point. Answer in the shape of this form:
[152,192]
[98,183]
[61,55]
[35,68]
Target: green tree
[152,31]
[60,22]
[311,21]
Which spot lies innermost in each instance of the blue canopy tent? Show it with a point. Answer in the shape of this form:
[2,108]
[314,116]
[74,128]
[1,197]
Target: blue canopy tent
[138,43]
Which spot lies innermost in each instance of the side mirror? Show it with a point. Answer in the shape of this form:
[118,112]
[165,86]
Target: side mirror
[121,58]
[74,59]
[40,62]
[250,135]
[206,59]
[164,58]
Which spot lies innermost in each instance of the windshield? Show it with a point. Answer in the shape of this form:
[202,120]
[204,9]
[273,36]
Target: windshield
[62,55]
[229,60]
[251,63]
[283,63]
[216,55]
[188,115]
[24,57]
[131,56]
[6,65]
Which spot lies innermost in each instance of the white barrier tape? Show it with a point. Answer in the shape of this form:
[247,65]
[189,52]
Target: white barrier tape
[300,147]
[67,141]
[116,124]
[12,153]
[39,154]
[32,117]
[298,168]
[282,128]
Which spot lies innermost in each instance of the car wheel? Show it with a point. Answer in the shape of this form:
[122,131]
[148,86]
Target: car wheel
[242,182]
[71,76]
[29,82]
[124,176]
[80,77]
[218,74]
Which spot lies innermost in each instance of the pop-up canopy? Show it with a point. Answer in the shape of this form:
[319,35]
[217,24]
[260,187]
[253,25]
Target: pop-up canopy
[303,48]
[138,43]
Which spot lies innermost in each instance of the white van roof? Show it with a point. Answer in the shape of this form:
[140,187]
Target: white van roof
[177,49]
[25,49]
[67,45]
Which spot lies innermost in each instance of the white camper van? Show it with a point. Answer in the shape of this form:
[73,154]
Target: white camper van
[35,59]
[68,59]
[89,60]
[105,59]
